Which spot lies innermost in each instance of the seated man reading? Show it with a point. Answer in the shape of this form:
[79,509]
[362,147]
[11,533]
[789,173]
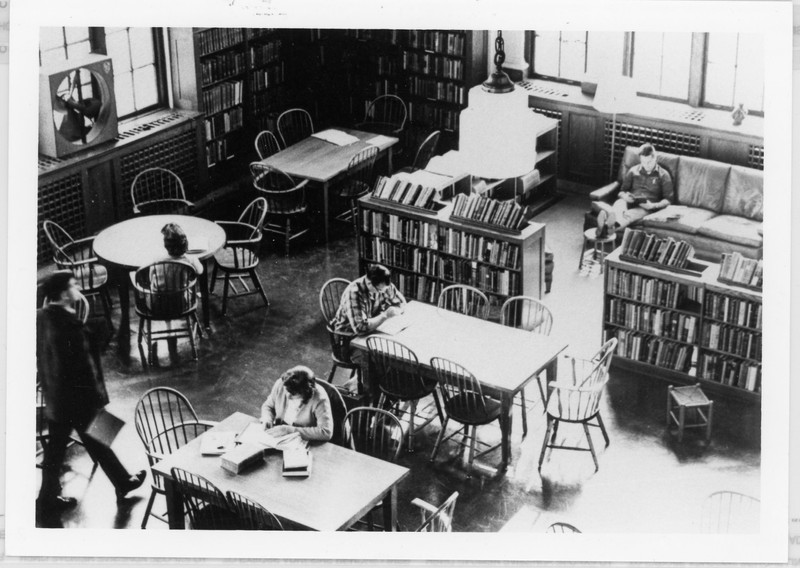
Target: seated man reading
[368,302]
[647,187]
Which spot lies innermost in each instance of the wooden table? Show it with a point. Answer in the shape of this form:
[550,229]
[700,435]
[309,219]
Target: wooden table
[503,359]
[343,486]
[321,162]
[137,242]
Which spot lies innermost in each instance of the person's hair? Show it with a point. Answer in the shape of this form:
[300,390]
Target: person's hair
[299,380]
[378,274]
[57,283]
[647,149]
[175,240]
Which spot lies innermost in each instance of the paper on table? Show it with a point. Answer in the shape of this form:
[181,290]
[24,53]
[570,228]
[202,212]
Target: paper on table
[379,140]
[254,433]
[217,443]
[197,244]
[336,137]
[395,325]
[450,163]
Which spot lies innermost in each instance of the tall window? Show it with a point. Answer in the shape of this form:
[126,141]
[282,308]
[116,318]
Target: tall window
[560,55]
[735,71]
[661,63]
[138,77]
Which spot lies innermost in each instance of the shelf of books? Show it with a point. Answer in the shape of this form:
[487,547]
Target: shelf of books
[428,250]
[683,327]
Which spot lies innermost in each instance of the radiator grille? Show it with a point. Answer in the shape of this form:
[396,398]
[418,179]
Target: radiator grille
[60,201]
[755,157]
[164,120]
[662,139]
[178,154]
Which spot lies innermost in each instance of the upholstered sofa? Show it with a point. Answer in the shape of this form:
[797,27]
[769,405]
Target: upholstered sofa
[716,208]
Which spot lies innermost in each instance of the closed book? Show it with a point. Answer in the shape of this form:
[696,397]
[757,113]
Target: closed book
[241,457]
[104,427]
[296,463]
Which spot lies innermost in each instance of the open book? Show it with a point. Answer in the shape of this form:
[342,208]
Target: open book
[336,137]
[395,325]
[254,433]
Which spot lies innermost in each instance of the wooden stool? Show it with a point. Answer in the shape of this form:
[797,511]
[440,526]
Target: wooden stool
[693,398]
[599,245]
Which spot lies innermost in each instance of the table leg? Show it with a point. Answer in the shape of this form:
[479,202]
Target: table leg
[203,278]
[506,404]
[325,212]
[390,511]
[389,160]
[120,277]
[174,505]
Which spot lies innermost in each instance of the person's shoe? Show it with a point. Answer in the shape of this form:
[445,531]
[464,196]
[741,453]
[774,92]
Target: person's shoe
[602,225]
[56,505]
[611,224]
[133,482]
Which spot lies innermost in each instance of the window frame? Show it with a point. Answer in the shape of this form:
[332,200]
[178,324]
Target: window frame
[530,51]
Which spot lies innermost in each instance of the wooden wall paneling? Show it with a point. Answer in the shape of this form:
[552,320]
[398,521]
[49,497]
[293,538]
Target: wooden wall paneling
[586,159]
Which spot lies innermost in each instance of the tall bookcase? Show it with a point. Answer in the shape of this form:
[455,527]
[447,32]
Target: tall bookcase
[236,77]
[428,251]
[684,328]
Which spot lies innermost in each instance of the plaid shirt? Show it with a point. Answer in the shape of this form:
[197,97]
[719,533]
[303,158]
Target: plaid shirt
[358,305]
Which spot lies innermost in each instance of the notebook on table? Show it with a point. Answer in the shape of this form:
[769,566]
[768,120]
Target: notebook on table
[296,463]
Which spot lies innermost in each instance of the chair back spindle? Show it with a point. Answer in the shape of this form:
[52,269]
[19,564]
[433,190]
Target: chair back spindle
[374,432]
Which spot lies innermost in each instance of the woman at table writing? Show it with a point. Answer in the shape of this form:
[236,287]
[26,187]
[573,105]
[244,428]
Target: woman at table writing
[177,244]
[297,404]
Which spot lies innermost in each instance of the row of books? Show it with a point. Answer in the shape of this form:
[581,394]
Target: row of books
[430,64]
[655,321]
[484,277]
[418,287]
[264,102]
[220,124]
[653,290]
[265,53]
[222,96]
[218,151]
[387,225]
[214,39]
[736,311]
[729,371]
[265,78]
[654,350]
[741,270]
[478,247]
[507,214]
[433,89]
[381,87]
[450,43]
[256,33]
[221,66]
[733,340]
[387,36]
[433,116]
[400,190]
[652,248]
[383,64]
[406,257]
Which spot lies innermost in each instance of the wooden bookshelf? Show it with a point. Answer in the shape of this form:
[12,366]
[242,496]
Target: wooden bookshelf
[428,251]
[664,321]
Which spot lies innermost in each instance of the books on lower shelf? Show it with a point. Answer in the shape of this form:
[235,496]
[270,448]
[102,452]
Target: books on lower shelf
[666,251]
[505,214]
[738,270]
[406,189]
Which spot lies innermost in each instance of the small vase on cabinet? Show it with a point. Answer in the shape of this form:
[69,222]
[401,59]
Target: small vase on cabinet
[738,114]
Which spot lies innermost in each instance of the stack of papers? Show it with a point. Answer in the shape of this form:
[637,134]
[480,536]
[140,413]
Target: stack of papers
[217,443]
[296,463]
[254,434]
[395,325]
[335,137]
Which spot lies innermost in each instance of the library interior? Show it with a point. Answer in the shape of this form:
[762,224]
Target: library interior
[399,280]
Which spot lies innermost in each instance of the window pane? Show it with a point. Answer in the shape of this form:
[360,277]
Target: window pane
[75,35]
[675,70]
[145,87]
[50,38]
[647,62]
[117,48]
[750,73]
[573,55]
[720,68]
[53,56]
[546,53]
[605,53]
[141,47]
[123,88]
[79,50]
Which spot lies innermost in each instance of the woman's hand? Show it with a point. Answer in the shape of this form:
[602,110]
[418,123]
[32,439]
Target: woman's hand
[266,423]
[282,430]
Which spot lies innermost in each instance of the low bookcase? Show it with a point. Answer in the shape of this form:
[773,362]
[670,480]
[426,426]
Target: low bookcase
[684,327]
[428,251]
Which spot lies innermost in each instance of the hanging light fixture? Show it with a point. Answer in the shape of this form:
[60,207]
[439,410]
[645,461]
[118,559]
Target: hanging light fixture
[497,131]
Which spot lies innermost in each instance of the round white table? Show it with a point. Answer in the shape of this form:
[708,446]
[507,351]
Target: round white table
[137,242]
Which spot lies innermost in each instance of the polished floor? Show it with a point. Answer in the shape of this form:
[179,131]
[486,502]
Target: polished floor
[647,481]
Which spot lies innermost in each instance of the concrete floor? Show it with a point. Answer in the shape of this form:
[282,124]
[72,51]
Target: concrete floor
[647,482]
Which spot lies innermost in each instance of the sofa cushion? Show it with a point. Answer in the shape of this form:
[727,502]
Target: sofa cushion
[744,195]
[701,183]
[678,218]
[733,229]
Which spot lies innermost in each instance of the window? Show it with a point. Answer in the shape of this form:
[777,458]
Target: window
[735,71]
[560,55]
[136,54]
[661,63]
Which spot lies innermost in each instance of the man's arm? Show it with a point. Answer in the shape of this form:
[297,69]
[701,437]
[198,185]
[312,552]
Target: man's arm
[358,314]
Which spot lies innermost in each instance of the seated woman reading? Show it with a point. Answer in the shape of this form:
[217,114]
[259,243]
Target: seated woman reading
[298,404]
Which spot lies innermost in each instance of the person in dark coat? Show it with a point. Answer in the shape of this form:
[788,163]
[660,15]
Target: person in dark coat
[74,391]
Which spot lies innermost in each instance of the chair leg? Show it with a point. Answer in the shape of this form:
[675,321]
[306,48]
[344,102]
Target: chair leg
[603,429]
[354,215]
[541,391]
[257,283]
[197,324]
[213,278]
[438,404]
[191,336]
[547,434]
[524,413]
[413,411]
[591,446]
[332,373]
[288,234]
[225,287]
[439,438]
[149,508]
[150,350]
[105,298]
[472,443]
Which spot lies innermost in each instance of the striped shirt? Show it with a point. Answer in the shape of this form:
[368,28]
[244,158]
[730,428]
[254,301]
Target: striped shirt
[359,305]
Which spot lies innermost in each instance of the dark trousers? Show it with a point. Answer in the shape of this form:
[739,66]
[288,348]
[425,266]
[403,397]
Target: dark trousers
[54,453]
